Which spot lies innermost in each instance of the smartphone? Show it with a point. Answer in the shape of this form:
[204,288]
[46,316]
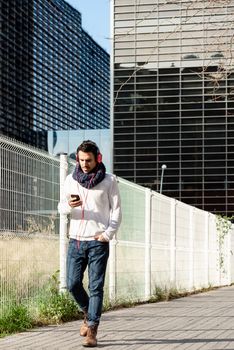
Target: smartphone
[75,197]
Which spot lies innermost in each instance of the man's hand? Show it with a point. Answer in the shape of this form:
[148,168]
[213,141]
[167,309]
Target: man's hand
[74,203]
[100,238]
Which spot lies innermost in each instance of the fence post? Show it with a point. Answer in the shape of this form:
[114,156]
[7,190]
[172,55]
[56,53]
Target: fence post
[229,252]
[147,243]
[112,270]
[191,248]
[173,243]
[207,267]
[62,226]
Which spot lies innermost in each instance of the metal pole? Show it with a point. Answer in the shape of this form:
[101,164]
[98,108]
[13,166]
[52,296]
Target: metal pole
[147,243]
[173,243]
[62,226]
[112,270]
[161,184]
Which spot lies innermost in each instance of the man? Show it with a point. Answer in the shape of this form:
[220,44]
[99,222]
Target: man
[92,199]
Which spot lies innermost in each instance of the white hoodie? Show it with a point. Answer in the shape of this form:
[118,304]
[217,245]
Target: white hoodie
[100,212]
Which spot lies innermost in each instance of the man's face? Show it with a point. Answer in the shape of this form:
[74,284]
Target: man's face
[87,161]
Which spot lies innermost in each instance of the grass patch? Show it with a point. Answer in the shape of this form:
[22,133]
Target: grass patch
[166,294]
[159,294]
[119,304]
[16,319]
[57,308]
[54,307]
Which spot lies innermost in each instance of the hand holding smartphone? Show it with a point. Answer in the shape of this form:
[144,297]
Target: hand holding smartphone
[74,201]
[75,197]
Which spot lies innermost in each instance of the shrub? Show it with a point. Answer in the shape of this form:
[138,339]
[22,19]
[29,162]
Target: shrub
[16,319]
[56,307]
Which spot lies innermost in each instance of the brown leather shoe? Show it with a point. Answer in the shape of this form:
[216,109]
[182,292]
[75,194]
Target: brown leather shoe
[91,337]
[84,326]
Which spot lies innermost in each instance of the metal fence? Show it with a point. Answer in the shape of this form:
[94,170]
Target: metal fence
[162,243]
[29,223]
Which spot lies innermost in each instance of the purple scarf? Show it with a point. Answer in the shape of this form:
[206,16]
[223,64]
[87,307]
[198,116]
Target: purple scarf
[89,180]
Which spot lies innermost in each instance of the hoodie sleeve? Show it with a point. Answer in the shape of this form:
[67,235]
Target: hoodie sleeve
[115,210]
[63,206]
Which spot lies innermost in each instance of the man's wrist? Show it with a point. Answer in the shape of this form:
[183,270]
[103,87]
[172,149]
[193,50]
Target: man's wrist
[105,237]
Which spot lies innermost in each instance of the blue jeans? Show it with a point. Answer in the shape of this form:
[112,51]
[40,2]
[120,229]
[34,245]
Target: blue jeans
[93,254]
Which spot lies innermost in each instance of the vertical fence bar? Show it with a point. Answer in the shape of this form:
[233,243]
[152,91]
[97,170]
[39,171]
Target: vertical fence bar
[62,225]
[207,267]
[173,243]
[147,243]
[112,270]
[218,253]
[191,248]
[229,252]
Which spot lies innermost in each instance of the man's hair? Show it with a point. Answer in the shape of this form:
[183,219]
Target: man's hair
[89,146]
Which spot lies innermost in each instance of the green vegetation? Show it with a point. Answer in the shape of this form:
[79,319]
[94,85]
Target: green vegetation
[166,294]
[158,294]
[54,307]
[15,319]
[223,225]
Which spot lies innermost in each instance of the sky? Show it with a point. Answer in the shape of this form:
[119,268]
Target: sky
[95,16]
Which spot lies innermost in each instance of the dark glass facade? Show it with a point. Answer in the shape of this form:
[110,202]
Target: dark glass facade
[174,99]
[53,75]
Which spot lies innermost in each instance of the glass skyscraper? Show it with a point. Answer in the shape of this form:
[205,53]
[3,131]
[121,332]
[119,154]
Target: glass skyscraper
[53,75]
[173,98]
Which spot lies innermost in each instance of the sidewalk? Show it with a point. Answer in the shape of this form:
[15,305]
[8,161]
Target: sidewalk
[203,321]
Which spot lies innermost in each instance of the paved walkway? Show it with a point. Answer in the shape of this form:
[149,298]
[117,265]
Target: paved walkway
[203,321]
